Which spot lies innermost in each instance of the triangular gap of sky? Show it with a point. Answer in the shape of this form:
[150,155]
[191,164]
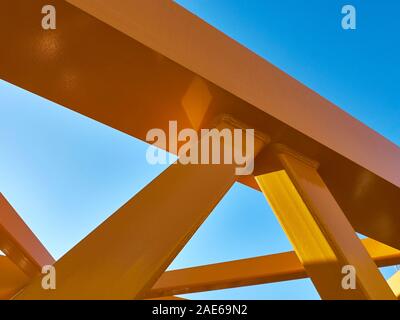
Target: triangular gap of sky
[62,172]
[65,173]
[241,226]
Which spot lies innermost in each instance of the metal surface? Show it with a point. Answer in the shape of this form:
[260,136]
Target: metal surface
[134,65]
[320,233]
[394,283]
[19,243]
[137,82]
[12,279]
[125,255]
[253,271]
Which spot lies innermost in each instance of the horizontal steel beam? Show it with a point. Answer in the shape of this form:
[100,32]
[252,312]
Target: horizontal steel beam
[246,272]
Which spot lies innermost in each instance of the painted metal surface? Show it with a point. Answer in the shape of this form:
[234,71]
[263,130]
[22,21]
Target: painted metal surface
[394,283]
[127,65]
[19,243]
[140,80]
[252,271]
[320,233]
[12,279]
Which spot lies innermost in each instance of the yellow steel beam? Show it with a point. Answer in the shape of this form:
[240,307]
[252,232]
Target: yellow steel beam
[12,279]
[394,283]
[259,270]
[320,233]
[125,255]
[19,243]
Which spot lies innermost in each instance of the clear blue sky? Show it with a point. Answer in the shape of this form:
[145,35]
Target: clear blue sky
[65,173]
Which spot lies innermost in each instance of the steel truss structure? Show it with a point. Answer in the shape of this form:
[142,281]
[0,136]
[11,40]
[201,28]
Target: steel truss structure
[136,64]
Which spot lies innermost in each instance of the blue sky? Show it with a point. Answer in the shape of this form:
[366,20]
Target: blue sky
[65,173]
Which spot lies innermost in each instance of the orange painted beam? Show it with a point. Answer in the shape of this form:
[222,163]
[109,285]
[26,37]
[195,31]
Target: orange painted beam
[245,272]
[19,243]
[153,78]
[174,32]
[12,279]
[382,254]
[126,254]
[253,271]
